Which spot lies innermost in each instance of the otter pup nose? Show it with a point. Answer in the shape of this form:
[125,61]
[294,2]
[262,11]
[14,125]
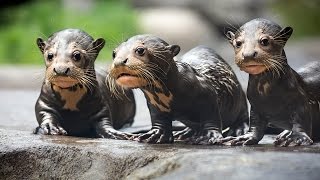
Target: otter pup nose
[120,62]
[62,70]
[249,55]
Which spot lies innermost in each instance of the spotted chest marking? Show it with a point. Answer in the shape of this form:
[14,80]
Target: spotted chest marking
[160,100]
[158,97]
[263,88]
[71,96]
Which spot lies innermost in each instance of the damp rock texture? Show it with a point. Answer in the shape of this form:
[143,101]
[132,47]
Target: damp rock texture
[24,155]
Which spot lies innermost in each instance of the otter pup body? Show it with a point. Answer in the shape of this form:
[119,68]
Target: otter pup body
[74,99]
[277,93]
[310,73]
[200,90]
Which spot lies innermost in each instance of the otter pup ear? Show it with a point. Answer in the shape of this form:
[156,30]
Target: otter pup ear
[230,35]
[41,44]
[98,44]
[285,33]
[175,49]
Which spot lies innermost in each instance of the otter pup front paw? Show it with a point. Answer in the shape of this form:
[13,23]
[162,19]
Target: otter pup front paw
[183,135]
[207,137]
[292,138]
[247,139]
[114,134]
[49,128]
[156,136]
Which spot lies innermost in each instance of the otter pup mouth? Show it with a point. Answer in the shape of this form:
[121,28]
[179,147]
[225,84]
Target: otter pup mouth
[64,81]
[253,68]
[128,80]
[123,75]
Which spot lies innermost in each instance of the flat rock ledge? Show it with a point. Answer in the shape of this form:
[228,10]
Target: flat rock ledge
[27,156]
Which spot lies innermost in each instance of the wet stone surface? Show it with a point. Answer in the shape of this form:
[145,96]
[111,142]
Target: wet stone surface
[24,155]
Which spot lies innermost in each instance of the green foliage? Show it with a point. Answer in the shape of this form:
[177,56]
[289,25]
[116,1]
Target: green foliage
[112,20]
[302,15]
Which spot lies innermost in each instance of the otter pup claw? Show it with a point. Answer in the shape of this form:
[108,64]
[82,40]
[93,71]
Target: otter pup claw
[114,134]
[207,137]
[183,135]
[155,136]
[50,129]
[292,138]
[246,139]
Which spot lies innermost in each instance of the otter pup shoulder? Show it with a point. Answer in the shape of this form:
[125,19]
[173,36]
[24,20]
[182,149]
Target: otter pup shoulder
[74,99]
[276,92]
[200,90]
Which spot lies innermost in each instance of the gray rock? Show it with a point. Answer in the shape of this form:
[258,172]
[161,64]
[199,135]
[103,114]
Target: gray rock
[24,155]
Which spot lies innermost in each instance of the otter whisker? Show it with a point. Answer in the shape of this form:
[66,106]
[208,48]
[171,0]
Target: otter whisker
[164,60]
[92,53]
[155,78]
[281,36]
[156,68]
[233,28]
[145,76]
[113,86]
[95,47]
[83,40]
[275,65]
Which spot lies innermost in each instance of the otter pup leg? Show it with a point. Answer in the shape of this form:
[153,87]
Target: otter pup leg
[292,138]
[237,130]
[161,131]
[207,137]
[253,136]
[104,129]
[204,137]
[49,127]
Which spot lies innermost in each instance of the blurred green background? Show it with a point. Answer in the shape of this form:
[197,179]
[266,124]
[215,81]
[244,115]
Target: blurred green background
[303,15]
[21,24]
[116,20]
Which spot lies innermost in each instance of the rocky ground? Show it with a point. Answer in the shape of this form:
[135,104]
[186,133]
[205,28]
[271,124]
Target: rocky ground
[24,155]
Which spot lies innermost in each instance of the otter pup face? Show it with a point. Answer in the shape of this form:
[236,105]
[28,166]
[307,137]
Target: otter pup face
[258,46]
[141,61]
[69,57]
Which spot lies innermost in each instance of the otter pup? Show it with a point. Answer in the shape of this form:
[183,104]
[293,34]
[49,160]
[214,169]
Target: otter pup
[277,93]
[200,90]
[74,99]
[310,74]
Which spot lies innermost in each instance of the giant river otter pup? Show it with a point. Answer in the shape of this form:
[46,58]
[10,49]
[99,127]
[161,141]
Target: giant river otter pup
[199,90]
[74,99]
[277,94]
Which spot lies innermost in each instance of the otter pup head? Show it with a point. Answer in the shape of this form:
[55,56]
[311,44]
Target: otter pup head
[258,46]
[141,61]
[69,57]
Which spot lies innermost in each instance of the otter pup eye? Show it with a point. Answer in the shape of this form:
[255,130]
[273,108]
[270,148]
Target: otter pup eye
[50,56]
[264,41]
[113,54]
[140,51]
[238,44]
[76,56]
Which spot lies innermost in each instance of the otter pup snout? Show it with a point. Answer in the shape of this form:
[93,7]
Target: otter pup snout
[61,70]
